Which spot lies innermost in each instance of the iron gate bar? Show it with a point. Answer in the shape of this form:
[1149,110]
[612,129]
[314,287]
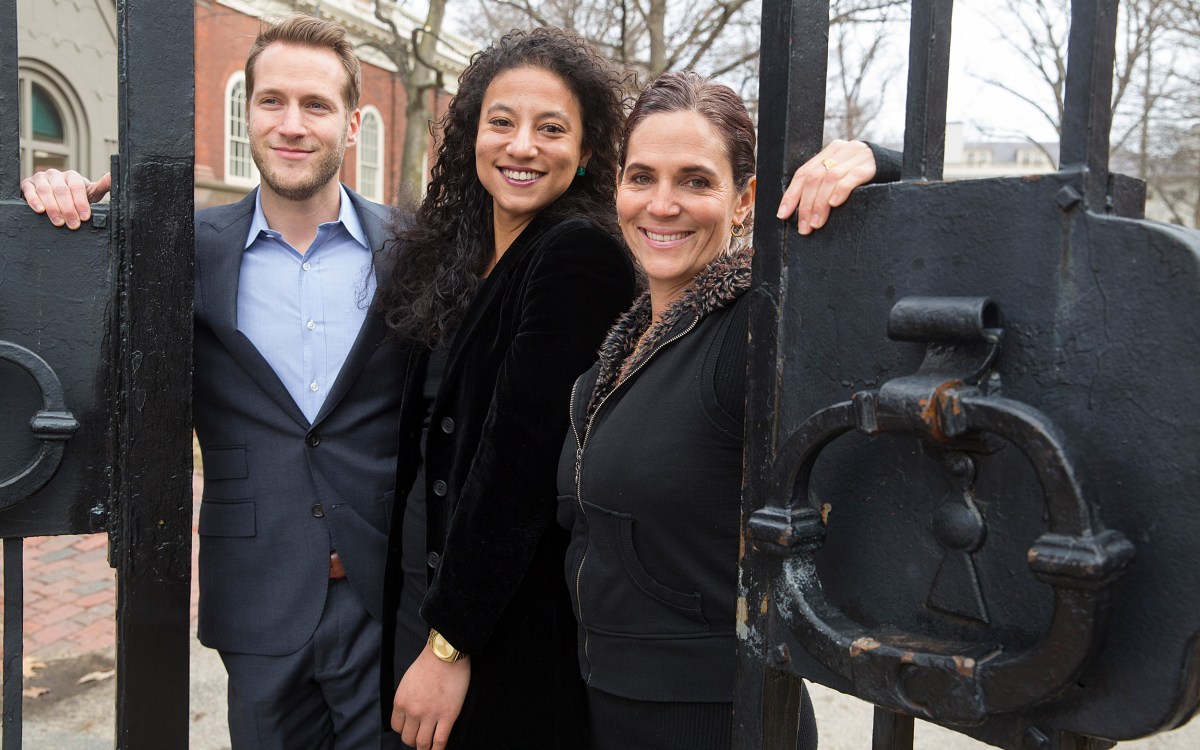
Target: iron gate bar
[14,640]
[1087,115]
[794,60]
[928,78]
[14,586]
[891,730]
[152,523]
[10,97]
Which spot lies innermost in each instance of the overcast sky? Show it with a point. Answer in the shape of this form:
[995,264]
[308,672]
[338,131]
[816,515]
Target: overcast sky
[977,50]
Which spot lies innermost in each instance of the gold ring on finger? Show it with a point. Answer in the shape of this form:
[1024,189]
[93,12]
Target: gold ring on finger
[829,164]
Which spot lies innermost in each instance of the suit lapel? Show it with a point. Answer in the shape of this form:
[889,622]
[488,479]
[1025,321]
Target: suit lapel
[219,278]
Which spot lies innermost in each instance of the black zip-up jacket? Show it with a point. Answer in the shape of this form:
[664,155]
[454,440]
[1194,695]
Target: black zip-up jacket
[649,484]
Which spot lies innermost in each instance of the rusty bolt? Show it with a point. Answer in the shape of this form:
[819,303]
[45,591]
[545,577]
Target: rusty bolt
[780,655]
[1067,198]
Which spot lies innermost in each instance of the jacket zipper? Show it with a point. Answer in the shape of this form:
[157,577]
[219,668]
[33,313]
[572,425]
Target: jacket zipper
[579,447]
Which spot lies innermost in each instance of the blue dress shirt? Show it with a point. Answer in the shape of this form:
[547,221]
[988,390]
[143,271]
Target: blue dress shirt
[304,311]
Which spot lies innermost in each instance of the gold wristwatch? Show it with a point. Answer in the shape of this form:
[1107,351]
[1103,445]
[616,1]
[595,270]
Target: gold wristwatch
[442,648]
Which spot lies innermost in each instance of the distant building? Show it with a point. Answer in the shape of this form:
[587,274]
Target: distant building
[1170,196]
[68,89]
[976,160]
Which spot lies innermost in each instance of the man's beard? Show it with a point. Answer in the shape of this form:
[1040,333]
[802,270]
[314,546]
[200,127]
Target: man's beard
[324,170]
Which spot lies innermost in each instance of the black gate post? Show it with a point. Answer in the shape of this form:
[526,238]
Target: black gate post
[14,590]
[95,373]
[151,534]
[793,64]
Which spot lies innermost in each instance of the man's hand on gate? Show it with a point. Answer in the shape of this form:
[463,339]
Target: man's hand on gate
[65,197]
[825,182]
[429,699]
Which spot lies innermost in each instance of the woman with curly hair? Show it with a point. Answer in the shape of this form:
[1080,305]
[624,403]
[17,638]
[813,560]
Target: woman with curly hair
[511,274]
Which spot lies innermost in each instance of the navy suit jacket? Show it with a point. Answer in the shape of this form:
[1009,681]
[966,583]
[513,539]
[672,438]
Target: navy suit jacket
[280,492]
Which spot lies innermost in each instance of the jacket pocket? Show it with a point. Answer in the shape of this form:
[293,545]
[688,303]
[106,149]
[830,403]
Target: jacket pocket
[616,593]
[227,519]
[226,473]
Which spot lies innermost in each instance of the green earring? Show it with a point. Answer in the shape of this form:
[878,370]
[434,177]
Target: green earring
[581,171]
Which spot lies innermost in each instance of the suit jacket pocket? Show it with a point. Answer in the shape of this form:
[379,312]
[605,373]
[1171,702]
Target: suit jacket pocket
[226,473]
[227,519]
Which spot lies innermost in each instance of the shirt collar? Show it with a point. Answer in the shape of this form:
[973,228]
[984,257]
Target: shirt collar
[347,217]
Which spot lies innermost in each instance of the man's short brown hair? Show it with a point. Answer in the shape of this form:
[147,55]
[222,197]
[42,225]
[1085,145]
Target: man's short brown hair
[307,31]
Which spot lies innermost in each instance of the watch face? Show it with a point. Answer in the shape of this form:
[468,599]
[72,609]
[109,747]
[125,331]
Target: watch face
[442,649]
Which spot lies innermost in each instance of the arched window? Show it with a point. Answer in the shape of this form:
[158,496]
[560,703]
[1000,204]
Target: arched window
[239,165]
[53,133]
[370,154]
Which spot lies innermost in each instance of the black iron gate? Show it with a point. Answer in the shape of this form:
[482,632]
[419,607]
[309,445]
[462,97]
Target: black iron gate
[972,435]
[95,373]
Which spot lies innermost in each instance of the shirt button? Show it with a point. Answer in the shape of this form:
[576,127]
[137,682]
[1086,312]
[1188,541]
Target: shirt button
[313,386]
[447,425]
[318,511]
[314,439]
[432,559]
[311,325]
[307,266]
[439,488]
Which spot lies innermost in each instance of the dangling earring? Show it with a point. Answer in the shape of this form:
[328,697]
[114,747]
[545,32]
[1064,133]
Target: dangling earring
[738,230]
[581,171]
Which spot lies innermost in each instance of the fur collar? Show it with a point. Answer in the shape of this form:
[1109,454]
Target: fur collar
[717,286]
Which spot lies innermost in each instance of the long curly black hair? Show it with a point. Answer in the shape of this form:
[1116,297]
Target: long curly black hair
[445,248]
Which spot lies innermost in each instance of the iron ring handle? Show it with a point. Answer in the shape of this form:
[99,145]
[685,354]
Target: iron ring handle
[53,425]
[1077,557]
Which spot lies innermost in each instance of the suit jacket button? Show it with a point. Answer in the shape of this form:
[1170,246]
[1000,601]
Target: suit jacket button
[314,439]
[318,511]
[433,559]
[447,425]
[439,488]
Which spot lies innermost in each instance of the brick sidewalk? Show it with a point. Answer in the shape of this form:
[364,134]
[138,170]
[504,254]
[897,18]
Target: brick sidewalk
[70,592]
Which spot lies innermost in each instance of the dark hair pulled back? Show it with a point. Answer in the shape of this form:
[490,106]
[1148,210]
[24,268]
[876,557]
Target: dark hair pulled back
[446,247]
[720,105]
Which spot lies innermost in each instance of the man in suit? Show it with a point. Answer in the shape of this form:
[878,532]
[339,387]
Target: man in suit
[296,398]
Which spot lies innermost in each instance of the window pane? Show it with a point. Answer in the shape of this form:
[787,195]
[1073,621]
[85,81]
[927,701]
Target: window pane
[369,149]
[240,163]
[47,121]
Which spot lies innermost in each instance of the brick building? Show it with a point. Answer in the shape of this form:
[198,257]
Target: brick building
[68,89]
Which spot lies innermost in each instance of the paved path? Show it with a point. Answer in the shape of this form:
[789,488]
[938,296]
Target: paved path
[69,634]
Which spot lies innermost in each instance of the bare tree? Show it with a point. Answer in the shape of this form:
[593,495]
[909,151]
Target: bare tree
[414,58]
[651,36]
[719,38]
[860,38]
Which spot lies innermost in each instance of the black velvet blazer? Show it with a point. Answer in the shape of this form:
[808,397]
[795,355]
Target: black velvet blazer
[497,427]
